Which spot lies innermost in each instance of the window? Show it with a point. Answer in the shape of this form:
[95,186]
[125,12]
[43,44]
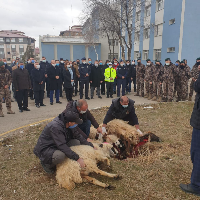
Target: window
[8,46]
[136,55]
[110,57]
[1,46]
[13,46]
[22,53]
[8,59]
[147,33]
[12,39]
[1,52]
[21,46]
[147,11]
[138,16]
[145,55]
[1,39]
[160,5]
[172,21]
[157,54]
[170,49]
[156,30]
[7,39]
[137,36]
[113,42]
[21,39]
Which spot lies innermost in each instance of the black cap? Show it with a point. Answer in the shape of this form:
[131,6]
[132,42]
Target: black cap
[70,116]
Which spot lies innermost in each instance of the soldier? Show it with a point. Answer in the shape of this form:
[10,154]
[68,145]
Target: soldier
[157,81]
[5,81]
[140,71]
[177,64]
[168,80]
[183,78]
[148,79]
[194,75]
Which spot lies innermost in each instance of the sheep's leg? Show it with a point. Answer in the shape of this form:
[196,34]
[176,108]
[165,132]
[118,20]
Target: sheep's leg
[103,173]
[95,181]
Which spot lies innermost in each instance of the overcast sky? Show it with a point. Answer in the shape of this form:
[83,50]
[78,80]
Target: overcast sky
[40,17]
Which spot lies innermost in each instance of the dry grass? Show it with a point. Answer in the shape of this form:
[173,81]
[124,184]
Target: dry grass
[156,174]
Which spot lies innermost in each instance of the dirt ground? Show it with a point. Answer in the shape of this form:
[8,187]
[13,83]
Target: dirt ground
[156,174]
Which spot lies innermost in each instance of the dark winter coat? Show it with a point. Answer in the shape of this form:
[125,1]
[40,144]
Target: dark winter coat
[133,71]
[71,106]
[8,68]
[55,136]
[30,67]
[129,71]
[96,76]
[52,72]
[103,67]
[44,66]
[116,111]
[21,79]
[38,76]
[67,77]
[195,118]
[122,71]
[61,68]
[83,70]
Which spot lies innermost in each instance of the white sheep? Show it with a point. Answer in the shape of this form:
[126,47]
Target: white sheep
[69,172]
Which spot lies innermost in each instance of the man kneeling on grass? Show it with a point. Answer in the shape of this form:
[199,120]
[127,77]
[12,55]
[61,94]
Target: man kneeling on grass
[58,136]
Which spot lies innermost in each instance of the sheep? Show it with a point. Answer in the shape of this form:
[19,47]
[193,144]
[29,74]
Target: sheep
[69,172]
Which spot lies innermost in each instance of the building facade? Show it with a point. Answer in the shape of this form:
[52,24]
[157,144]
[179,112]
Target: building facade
[166,29]
[14,43]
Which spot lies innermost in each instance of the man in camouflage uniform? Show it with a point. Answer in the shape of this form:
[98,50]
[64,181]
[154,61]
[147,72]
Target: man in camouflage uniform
[5,81]
[140,71]
[177,65]
[194,75]
[157,81]
[183,78]
[168,80]
[148,79]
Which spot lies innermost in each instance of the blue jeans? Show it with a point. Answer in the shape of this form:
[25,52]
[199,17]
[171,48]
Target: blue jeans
[57,95]
[195,157]
[85,127]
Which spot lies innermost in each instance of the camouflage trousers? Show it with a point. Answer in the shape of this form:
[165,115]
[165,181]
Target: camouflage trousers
[175,86]
[168,87]
[6,94]
[182,91]
[140,86]
[191,88]
[149,88]
[157,89]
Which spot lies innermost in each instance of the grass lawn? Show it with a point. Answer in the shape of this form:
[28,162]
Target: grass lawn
[156,174]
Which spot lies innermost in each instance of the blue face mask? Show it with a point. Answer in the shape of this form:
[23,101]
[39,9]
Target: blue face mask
[21,66]
[5,63]
[124,106]
[74,126]
[176,64]
[100,63]
[90,62]
[33,61]
[108,64]
[57,64]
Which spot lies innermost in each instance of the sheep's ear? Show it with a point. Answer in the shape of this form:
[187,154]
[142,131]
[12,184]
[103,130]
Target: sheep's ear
[101,145]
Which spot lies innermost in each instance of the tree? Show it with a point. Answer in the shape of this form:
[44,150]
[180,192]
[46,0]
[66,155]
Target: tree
[28,54]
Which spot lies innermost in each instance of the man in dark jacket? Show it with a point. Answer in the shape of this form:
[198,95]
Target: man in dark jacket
[194,186]
[44,64]
[38,76]
[61,67]
[103,67]
[54,143]
[128,77]
[84,70]
[121,78]
[22,84]
[122,108]
[134,74]
[81,107]
[30,67]
[96,77]
[7,66]
[54,82]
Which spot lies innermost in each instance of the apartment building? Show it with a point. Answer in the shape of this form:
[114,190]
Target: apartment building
[14,43]
[166,28]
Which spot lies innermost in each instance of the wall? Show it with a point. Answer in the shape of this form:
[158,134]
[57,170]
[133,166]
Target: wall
[78,52]
[63,51]
[92,54]
[47,50]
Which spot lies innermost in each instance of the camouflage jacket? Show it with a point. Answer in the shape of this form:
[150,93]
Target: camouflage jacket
[158,73]
[195,72]
[140,71]
[170,72]
[5,78]
[149,76]
[183,74]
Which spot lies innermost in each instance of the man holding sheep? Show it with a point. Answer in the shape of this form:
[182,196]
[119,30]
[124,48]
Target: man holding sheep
[54,143]
[122,108]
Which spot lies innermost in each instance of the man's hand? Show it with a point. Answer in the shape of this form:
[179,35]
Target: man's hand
[160,83]
[137,126]
[87,74]
[99,130]
[151,83]
[90,81]
[57,77]
[45,75]
[131,78]
[122,77]
[89,140]
[41,83]
[72,80]
[78,76]
[81,162]
[111,78]
[101,81]
[6,86]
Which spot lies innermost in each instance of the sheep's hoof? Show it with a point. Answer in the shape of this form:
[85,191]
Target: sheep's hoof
[110,187]
[118,177]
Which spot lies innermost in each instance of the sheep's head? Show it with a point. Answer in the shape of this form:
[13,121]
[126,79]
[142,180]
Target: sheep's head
[108,149]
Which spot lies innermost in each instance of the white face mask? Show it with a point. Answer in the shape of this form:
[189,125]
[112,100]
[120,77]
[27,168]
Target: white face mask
[115,63]
[82,112]
[133,63]
[167,63]
[96,65]
[54,65]
[62,61]
[38,66]
[128,63]
[110,66]
[71,65]
[84,62]
[43,60]
[122,65]
[68,66]
[29,61]
[148,64]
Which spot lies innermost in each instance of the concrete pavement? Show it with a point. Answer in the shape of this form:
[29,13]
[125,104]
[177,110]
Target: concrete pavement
[10,122]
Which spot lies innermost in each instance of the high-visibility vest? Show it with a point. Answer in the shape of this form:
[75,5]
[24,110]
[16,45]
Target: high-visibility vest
[110,73]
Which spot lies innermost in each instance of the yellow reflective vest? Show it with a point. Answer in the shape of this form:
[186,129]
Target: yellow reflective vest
[110,73]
